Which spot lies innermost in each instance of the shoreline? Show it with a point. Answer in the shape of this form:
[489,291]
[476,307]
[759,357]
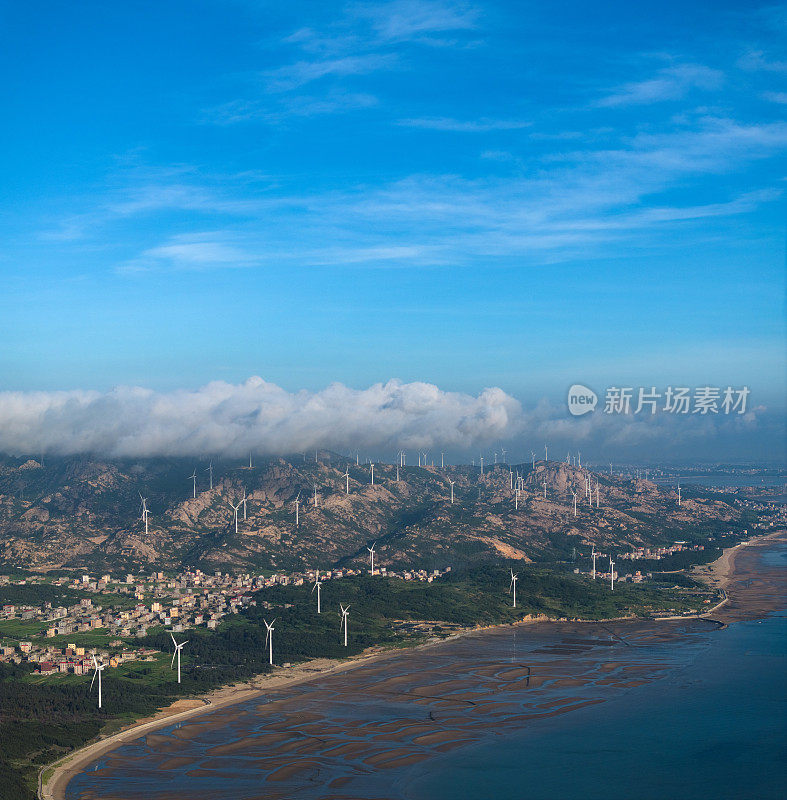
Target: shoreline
[53,778]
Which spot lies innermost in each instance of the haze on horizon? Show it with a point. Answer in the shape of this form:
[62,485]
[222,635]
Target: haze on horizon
[417,220]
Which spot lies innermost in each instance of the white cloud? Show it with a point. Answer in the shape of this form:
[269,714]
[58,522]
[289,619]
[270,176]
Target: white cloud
[670,83]
[233,419]
[482,125]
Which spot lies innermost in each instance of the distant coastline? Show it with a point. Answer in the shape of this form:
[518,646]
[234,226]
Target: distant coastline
[54,778]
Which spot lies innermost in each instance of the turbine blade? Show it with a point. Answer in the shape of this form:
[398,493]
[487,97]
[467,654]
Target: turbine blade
[94,679]
[172,663]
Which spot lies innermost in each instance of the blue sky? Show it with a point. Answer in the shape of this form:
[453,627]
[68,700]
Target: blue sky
[509,194]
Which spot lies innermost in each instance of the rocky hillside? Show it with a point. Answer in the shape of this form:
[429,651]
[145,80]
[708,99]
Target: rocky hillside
[87,513]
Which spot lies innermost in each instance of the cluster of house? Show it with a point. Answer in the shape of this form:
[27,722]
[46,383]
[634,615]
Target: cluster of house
[192,598]
[657,553]
[71,658]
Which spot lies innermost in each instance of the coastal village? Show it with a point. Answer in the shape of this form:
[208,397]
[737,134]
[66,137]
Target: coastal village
[134,606]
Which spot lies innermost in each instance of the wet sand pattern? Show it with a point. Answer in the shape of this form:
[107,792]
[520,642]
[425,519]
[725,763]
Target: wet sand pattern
[355,734]
[351,735]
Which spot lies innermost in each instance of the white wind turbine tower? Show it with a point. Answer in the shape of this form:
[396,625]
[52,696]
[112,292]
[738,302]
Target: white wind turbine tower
[297,507]
[678,502]
[611,574]
[99,669]
[610,469]
[178,648]
[594,556]
[545,490]
[371,555]
[343,623]
[315,494]
[210,470]
[546,453]
[512,586]
[482,465]
[236,508]
[442,460]
[347,481]
[597,494]
[250,465]
[516,499]
[269,640]
[145,512]
[533,455]
[504,451]
[495,456]
[372,474]
[575,502]
[244,504]
[193,477]
[511,475]
[452,490]
[317,586]
[419,458]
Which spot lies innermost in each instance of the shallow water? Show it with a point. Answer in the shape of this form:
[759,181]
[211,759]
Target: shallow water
[636,709]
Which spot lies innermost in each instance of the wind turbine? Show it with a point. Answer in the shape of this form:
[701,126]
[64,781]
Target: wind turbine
[610,469]
[250,465]
[315,495]
[244,504]
[146,530]
[99,669]
[452,490]
[343,623]
[482,465]
[504,451]
[297,507]
[546,453]
[347,481]
[317,586]
[512,586]
[193,477]
[597,494]
[235,508]
[210,470]
[611,574]
[372,466]
[511,474]
[534,458]
[269,640]
[545,490]
[516,499]
[594,555]
[145,512]
[442,460]
[371,555]
[575,502]
[178,648]
[495,456]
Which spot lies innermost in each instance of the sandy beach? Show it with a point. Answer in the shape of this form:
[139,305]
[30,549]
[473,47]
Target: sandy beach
[428,704]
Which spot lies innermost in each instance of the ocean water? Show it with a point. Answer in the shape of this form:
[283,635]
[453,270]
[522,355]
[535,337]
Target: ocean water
[679,710]
[715,728]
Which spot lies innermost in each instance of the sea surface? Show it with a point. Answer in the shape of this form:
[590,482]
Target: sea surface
[715,728]
[634,710]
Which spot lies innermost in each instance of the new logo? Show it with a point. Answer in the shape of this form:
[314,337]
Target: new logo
[581,400]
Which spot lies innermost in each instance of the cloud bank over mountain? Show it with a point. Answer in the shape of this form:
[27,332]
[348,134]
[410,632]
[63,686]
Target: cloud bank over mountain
[224,419]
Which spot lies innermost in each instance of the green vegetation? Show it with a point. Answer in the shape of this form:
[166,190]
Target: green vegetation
[41,718]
